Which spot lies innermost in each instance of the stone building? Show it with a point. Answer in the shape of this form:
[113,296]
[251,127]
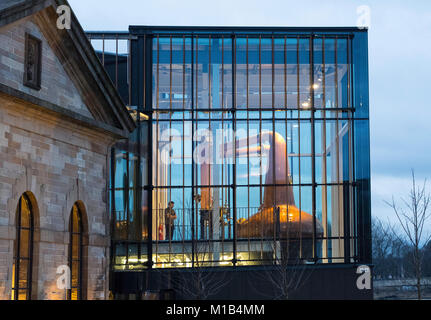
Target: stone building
[59,116]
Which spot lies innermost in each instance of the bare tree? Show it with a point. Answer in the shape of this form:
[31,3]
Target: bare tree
[287,274]
[382,238]
[288,271]
[412,218]
[200,281]
[388,250]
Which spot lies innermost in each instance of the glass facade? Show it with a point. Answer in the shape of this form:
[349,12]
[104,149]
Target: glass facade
[252,147]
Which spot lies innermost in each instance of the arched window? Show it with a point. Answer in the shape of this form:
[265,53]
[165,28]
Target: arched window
[76,254]
[23,253]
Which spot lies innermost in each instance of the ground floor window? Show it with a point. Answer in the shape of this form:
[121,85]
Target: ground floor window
[23,251]
[76,253]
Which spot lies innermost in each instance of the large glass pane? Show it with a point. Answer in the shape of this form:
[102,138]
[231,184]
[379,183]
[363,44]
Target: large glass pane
[145,214]
[318,74]
[226,94]
[120,168]
[242,75]
[343,74]
[164,73]
[266,73]
[304,75]
[280,74]
[177,91]
[360,74]
[330,74]
[202,73]
[120,214]
[243,153]
[305,155]
[188,90]
[292,73]
[337,223]
[254,73]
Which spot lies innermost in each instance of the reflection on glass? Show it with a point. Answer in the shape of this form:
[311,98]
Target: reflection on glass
[262,163]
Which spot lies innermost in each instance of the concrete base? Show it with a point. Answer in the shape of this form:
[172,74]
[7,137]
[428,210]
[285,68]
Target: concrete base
[336,281]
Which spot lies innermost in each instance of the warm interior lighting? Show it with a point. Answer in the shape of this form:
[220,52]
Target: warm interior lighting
[134,114]
[292,223]
[13,282]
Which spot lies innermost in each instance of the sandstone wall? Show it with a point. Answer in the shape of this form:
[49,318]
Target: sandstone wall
[59,163]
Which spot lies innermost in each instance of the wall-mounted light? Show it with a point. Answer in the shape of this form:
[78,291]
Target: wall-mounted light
[135,114]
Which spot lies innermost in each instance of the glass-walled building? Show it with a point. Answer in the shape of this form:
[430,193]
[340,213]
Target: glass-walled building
[252,147]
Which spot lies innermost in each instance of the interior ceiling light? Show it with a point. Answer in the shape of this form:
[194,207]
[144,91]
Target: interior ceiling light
[306,104]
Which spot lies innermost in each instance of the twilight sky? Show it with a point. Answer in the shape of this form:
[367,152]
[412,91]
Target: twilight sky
[399,62]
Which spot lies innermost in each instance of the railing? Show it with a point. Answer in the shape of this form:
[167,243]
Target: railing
[208,224]
[216,224]
[206,238]
[113,50]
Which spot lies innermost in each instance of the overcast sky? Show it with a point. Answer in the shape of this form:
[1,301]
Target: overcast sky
[399,62]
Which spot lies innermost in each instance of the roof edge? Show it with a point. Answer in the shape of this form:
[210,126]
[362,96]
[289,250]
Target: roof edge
[22,9]
[64,113]
[239,29]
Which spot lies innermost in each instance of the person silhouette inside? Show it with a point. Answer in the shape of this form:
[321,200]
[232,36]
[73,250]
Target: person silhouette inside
[170,217]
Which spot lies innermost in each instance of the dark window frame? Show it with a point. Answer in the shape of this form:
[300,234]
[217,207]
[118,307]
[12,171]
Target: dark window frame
[80,234]
[34,83]
[17,256]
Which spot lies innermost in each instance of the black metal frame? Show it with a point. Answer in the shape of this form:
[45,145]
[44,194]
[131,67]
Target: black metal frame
[141,96]
[36,82]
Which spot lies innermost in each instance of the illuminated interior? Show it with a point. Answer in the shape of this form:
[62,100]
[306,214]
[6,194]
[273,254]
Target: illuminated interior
[252,137]
[23,251]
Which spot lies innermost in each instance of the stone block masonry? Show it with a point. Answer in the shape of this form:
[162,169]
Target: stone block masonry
[59,163]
